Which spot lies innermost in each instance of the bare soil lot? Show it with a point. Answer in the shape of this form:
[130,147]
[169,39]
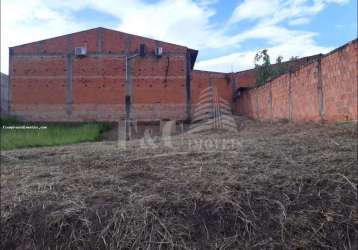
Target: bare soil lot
[283,186]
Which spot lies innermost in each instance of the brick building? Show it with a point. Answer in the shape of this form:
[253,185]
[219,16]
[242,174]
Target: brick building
[102,75]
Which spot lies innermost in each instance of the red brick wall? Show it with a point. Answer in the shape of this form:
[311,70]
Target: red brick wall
[304,93]
[245,78]
[246,105]
[224,87]
[38,80]
[263,102]
[280,98]
[325,89]
[39,76]
[38,87]
[159,90]
[339,77]
[201,80]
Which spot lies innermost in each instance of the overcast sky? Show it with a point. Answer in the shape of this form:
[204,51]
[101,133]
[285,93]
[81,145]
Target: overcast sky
[227,33]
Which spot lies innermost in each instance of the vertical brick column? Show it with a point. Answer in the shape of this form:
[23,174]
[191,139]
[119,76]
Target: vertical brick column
[320,89]
[11,53]
[69,77]
[188,86]
[270,101]
[290,95]
[211,95]
[257,105]
[99,40]
[233,90]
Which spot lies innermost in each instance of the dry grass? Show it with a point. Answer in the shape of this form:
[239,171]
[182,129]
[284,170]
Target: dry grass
[284,187]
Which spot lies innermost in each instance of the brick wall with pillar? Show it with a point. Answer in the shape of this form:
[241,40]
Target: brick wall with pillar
[50,83]
[324,89]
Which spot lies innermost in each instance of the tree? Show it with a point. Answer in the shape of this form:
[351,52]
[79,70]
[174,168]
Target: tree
[264,70]
[280,67]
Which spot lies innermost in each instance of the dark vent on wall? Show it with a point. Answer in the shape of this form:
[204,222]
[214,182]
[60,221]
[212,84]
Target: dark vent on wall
[142,49]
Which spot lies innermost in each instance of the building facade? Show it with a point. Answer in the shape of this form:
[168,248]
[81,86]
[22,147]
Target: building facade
[101,75]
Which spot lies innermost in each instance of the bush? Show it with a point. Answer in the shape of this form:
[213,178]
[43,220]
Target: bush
[9,120]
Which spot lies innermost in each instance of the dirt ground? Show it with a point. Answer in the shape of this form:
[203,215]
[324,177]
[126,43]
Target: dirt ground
[271,186]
